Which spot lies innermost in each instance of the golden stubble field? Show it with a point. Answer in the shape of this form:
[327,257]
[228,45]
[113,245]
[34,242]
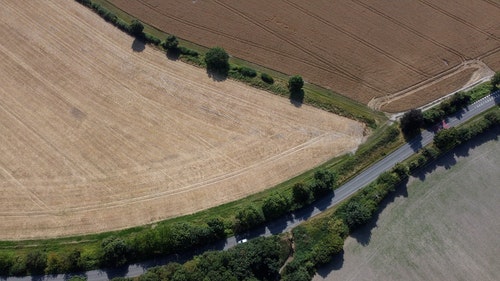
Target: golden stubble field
[95,136]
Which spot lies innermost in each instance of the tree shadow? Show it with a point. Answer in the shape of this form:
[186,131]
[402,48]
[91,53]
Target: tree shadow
[335,264]
[277,226]
[173,54]
[415,142]
[449,159]
[297,97]
[363,233]
[217,76]
[116,272]
[138,45]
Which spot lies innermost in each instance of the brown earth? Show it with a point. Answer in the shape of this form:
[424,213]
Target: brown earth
[99,132]
[363,49]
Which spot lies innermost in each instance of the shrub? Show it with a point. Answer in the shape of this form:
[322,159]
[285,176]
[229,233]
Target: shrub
[247,218]
[267,78]
[301,193]
[248,72]
[275,205]
[188,52]
[152,39]
[217,61]
[295,83]
[171,43]
[136,28]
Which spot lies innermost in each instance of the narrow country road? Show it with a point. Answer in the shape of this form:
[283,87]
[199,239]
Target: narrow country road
[288,222]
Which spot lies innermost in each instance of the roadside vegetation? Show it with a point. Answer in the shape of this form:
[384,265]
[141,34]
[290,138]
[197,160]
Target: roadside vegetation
[313,246]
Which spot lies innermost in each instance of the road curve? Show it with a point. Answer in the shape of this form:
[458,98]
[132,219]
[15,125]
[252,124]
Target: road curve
[290,221]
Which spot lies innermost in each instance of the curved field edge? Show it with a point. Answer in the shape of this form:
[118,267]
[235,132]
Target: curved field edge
[314,95]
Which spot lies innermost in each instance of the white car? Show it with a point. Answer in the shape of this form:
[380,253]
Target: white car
[242,241]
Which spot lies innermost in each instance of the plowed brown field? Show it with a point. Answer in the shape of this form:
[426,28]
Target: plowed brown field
[363,49]
[95,136]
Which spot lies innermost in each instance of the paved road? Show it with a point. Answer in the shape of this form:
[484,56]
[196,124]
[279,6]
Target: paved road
[287,223]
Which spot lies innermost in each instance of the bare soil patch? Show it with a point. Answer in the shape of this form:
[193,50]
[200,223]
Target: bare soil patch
[99,133]
[444,226]
[362,49]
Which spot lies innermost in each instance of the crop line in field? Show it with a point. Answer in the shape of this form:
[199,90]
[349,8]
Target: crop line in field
[340,70]
[184,189]
[357,38]
[412,30]
[493,3]
[459,19]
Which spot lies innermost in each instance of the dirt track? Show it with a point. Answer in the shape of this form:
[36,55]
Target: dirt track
[366,50]
[96,136]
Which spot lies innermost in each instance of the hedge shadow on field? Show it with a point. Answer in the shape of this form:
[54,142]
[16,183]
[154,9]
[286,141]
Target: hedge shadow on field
[336,263]
[138,45]
[217,76]
[363,234]
[297,97]
[449,159]
[173,54]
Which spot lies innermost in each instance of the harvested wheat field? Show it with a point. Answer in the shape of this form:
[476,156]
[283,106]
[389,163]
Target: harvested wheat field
[96,136]
[366,50]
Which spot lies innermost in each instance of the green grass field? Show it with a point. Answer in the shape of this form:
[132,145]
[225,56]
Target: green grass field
[443,226]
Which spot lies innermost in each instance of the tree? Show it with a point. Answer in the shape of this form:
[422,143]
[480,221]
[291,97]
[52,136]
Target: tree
[136,28]
[495,80]
[301,193]
[171,43]
[324,182]
[295,83]
[446,139]
[247,218]
[275,205]
[355,213]
[217,61]
[411,122]
[114,252]
[36,262]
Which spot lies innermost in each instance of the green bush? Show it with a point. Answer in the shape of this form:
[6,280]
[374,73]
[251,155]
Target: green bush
[188,52]
[267,78]
[248,72]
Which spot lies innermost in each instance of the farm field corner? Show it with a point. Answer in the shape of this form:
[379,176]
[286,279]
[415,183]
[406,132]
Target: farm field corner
[375,52]
[102,133]
[443,226]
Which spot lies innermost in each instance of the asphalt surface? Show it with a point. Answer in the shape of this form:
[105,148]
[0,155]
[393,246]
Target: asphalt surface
[290,221]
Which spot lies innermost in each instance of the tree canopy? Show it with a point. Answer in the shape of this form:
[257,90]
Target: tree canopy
[136,28]
[495,80]
[411,122]
[217,61]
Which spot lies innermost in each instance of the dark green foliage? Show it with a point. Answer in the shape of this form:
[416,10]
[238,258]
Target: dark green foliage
[295,83]
[301,193]
[495,80]
[248,72]
[136,28]
[493,117]
[188,52]
[217,61]
[324,182]
[36,261]
[247,218]
[275,206]
[267,78]
[411,122]
[18,267]
[152,39]
[446,138]
[354,213]
[259,259]
[171,43]
[6,262]
[401,170]
[114,252]
[433,115]
[217,228]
